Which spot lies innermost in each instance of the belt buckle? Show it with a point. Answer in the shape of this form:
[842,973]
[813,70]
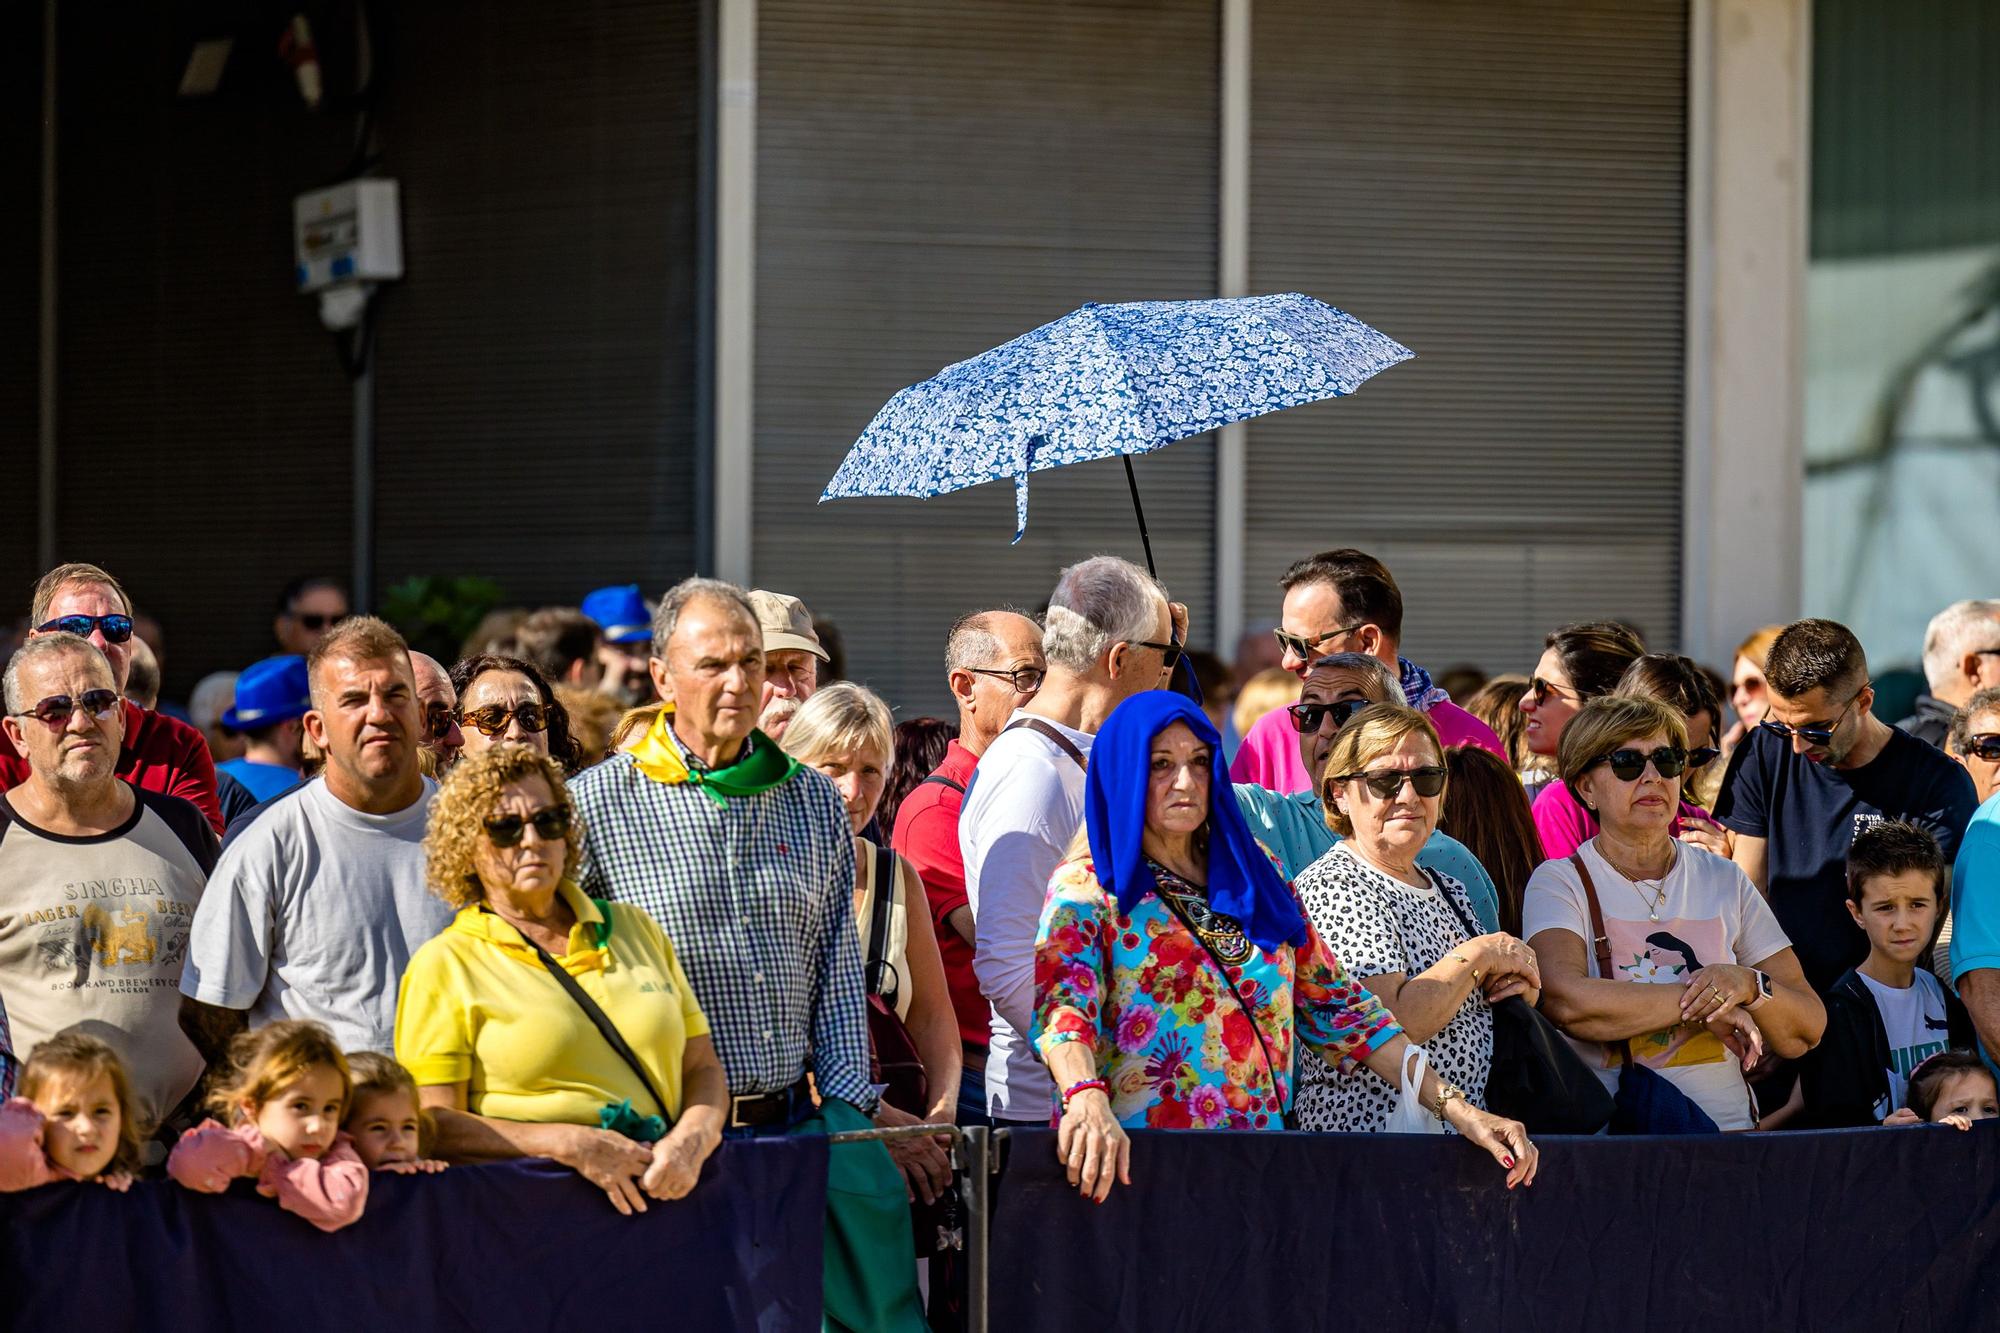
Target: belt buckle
[736,1105]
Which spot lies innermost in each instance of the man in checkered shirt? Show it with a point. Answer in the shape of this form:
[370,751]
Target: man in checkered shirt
[745,858]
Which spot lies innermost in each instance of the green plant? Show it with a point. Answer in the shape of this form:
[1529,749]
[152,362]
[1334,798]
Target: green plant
[437,614]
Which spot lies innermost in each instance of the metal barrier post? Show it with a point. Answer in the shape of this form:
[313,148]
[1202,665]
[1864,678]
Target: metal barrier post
[981,1162]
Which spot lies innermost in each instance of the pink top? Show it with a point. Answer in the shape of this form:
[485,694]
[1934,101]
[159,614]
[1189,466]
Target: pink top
[24,1163]
[328,1191]
[1566,826]
[1270,753]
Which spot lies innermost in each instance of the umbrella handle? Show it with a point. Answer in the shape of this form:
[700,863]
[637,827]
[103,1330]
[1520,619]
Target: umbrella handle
[1140,510]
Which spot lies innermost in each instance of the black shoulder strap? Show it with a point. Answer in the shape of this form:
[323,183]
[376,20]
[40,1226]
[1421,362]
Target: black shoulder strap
[1471,930]
[1052,734]
[602,1022]
[1222,975]
[943,781]
[881,975]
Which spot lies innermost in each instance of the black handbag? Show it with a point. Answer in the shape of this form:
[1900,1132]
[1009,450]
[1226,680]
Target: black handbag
[1536,1077]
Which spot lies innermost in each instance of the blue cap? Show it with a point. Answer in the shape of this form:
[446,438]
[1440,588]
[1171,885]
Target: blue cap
[269,692]
[621,613]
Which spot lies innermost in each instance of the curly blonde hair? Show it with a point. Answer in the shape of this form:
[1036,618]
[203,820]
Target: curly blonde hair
[459,812]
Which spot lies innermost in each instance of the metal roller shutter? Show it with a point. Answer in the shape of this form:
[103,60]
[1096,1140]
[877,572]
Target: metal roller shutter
[1501,187]
[933,179]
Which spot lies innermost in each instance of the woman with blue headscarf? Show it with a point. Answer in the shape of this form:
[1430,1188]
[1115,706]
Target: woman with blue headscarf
[1175,968]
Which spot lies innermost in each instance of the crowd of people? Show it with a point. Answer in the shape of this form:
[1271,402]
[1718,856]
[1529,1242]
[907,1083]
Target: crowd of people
[633,877]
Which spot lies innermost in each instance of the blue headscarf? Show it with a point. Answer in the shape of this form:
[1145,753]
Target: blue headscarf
[1242,882]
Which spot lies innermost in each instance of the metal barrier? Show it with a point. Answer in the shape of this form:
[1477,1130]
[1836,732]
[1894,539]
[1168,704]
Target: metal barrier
[977,1163]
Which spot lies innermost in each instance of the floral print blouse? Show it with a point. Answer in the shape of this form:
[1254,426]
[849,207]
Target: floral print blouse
[1175,1048]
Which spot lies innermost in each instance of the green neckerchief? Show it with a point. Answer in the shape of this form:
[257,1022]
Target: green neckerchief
[759,766]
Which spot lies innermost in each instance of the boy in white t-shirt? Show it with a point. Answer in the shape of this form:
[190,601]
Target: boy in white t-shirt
[1885,1015]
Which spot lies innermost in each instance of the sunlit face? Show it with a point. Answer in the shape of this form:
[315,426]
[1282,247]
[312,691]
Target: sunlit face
[369,725]
[1329,685]
[790,677]
[94,599]
[1898,913]
[509,690]
[437,703]
[1548,715]
[385,1127]
[81,750]
[1179,773]
[1841,713]
[859,775]
[1983,728]
[1391,827]
[301,1118]
[1643,806]
[1970,1093]
[534,865]
[1748,694]
[81,1122]
[713,671]
[1312,612]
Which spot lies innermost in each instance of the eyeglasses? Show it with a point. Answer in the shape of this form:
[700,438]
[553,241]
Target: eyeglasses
[117,628]
[316,620]
[1628,765]
[1306,648]
[1309,718]
[492,719]
[551,825]
[1171,652]
[1818,733]
[56,710]
[1025,680]
[1539,690]
[1389,781]
[1703,755]
[438,721]
[1985,747]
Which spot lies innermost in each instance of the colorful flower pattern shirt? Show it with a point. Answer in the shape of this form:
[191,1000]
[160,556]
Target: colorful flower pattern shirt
[1175,1048]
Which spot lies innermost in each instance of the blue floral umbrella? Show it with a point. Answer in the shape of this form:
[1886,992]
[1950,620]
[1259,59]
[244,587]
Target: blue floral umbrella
[1109,380]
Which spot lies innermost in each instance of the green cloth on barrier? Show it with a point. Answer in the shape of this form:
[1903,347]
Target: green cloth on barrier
[871,1268]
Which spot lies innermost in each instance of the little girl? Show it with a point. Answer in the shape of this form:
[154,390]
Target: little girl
[1951,1088]
[74,1119]
[390,1129]
[284,1099]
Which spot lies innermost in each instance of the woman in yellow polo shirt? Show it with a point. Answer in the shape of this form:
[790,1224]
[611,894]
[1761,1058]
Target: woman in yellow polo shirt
[508,1056]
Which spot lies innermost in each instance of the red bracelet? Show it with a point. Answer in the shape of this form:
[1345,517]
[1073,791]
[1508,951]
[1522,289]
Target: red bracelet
[1086,1085]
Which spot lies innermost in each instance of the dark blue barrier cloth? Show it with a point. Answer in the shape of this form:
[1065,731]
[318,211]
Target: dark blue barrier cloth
[519,1245]
[1869,1229]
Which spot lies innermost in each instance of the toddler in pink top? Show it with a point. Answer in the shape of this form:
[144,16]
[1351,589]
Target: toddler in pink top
[284,1099]
[73,1120]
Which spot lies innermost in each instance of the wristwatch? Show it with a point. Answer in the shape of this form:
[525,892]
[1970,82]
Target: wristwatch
[1763,988]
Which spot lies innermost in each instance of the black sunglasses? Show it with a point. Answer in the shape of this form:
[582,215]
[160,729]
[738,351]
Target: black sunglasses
[438,721]
[1985,747]
[1703,755]
[1170,652]
[1816,734]
[1539,690]
[492,719]
[56,710]
[1025,680]
[117,628]
[1309,718]
[1628,765]
[315,620]
[1387,782]
[551,825]
[1305,648]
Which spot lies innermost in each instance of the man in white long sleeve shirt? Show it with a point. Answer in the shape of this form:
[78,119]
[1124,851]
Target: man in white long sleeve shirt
[1110,633]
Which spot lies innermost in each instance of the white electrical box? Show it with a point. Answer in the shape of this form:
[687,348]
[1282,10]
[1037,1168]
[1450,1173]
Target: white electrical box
[351,232]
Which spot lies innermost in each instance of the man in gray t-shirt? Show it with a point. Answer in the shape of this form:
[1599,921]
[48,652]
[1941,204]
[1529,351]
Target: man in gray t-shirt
[315,908]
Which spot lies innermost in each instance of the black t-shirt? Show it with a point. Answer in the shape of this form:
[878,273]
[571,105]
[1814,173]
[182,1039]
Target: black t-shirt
[1808,814]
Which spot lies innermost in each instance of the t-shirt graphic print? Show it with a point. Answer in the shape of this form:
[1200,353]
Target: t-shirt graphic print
[1667,953]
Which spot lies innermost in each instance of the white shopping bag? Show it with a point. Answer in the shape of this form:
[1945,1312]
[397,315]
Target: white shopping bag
[1411,1116]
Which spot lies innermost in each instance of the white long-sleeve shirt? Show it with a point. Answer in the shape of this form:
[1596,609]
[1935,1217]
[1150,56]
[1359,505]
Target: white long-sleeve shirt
[1024,805]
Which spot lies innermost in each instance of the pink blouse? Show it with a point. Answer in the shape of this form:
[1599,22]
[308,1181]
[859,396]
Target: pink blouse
[328,1191]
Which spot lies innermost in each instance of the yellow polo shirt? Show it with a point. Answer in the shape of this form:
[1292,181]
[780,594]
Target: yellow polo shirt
[477,1007]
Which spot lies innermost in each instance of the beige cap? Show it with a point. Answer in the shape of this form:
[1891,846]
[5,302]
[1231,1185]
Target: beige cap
[786,623]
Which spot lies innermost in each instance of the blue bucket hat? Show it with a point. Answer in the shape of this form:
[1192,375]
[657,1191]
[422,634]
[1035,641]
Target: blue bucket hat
[621,613]
[269,692]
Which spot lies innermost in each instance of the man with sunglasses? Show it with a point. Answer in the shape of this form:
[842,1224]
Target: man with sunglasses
[98,878]
[307,608]
[1111,633]
[1961,658]
[159,753]
[317,905]
[1294,825]
[994,665]
[443,738]
[1345,601]
[1817,769]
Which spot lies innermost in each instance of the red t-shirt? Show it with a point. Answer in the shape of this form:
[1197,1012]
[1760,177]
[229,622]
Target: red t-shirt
[161,753]
[926,836]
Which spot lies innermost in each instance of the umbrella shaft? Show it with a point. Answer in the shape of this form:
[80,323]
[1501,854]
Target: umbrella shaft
[1139,509]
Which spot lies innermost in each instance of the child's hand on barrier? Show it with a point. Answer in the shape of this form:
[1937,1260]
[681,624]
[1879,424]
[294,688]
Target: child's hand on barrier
[1956,1121]
[427,1166]
[116,1181]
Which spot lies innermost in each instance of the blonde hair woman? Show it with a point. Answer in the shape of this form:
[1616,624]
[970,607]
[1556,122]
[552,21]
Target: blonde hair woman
[845,732]
[1270,689]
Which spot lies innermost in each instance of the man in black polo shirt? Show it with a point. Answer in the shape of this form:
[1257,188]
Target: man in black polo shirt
[1820,767]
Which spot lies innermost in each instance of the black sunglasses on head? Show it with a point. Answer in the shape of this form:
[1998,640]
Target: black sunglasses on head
[1386,782]
[117,628]
[1628,765]
[56,710]
[1308,718]
[551,825]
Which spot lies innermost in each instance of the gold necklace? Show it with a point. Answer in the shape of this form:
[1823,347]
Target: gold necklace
[1655,903]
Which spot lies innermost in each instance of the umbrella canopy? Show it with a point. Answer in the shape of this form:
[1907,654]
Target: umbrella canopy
[1108,380]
